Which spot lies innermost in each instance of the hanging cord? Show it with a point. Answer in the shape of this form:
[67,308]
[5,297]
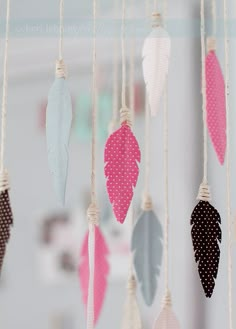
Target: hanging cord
[92,210]
[228,168]
[213,17]
[114,120]
[124,112]
[4,181]
[60,65]
[203,52]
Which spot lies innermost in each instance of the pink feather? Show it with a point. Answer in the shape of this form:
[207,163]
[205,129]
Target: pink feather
[122,155]
[101,271]
[216,107]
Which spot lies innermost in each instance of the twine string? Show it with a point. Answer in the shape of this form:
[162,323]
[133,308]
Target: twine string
[203,52]
[228,167]
[5,89]
[213,17]
[61,38]
[92,210]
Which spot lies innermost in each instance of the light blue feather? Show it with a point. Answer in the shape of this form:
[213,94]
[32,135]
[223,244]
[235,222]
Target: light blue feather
[147,246]
[58,127]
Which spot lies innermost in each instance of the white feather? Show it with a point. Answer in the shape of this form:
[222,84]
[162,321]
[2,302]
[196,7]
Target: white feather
[131,317]
[156,54]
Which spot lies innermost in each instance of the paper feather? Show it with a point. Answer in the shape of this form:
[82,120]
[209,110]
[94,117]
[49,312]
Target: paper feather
[216,105]
[156,54]
[147,247]
[167,319]
[6,221]
[206,236]
[58,126]
[100,274]
[131,317]
[121,157]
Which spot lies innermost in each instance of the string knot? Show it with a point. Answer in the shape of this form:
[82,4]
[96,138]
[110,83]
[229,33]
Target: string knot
[211,44]
[131,286]
[156,19]
[147,202]
[4,181]
[204,193]
[125,116]
[60,69]
[167,300]
[93,214]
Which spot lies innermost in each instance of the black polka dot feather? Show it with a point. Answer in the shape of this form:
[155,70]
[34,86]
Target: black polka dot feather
[6,221]
[206,236]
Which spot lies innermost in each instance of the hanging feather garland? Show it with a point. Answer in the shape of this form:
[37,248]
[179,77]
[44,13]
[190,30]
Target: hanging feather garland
[156,54]
[131,318]
[94,267]
[58,123]
[122,154]
[205,219]
[206,236]
[100,275]
[147,247]
[215,94]
[167,319]
[6,216]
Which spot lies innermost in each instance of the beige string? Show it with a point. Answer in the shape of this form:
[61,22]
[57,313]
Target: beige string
[61,39]
[93,210]
[228,167]
[213,17]
[125,115]
[166,178]
[4,181]
[203,52]
[114,120]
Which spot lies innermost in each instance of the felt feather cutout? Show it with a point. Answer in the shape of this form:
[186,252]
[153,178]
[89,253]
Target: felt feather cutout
[121,157]
[206,236]
[6,221]
[147,247]
[131,318]
[101,271]
[216,105]
[167,319]
[58,126]
[156,53]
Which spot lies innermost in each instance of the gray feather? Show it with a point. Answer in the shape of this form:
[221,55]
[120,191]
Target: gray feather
[147,247]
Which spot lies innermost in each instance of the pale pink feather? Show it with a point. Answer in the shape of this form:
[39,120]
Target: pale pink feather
[216,107]
[121,157]
[100,274]
[167,319]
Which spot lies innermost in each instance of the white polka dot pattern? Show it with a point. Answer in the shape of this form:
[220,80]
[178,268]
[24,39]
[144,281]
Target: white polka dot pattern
[216,106]
[206,235]
[121,157]
[6,221]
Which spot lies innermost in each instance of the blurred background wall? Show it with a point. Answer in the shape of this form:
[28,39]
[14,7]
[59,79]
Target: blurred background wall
[39,291]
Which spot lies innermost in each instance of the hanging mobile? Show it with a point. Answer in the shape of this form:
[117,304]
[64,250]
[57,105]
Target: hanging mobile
[147,234]
[6,216]
[122,153]
[205,219]
[58,121]
[93,267]
[215,94]
[156,54]
[166,319]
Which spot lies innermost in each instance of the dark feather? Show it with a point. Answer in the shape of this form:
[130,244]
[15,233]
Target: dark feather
[6,221]
[206,235]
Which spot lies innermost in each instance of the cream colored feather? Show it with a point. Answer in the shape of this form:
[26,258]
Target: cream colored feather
[131,318]
[156,53]
[167,319]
